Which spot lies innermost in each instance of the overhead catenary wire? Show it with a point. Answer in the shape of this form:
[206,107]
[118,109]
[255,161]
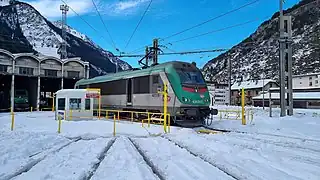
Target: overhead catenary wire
[179,53]
[134,31]
[104,24]
[86,22]
[217,30]
[209,20]
[197,25]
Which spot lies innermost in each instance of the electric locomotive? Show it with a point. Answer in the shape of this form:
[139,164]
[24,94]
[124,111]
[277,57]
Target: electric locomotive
[138,90]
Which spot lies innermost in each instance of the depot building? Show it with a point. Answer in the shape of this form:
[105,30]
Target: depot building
[29,81]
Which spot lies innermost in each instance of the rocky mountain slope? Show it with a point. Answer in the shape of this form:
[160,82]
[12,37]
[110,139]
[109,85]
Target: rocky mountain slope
[257,56]
[24,29]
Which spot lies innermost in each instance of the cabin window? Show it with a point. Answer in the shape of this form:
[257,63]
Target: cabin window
[141,85]
[61,103]
[74,103]
[87,104]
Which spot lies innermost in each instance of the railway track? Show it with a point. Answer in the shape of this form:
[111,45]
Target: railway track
[257,133]
[225,170]
[147,160]
[37,160]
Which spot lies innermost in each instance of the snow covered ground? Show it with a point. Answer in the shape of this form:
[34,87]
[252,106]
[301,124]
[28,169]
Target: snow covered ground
[44,122]
[266,148]
[305,123]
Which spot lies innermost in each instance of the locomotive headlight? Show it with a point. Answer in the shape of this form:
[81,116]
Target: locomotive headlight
[185,99]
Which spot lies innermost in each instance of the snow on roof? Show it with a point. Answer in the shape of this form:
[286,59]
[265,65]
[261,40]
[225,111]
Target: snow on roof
[296,95]
[308,74]
[73,92]
[251,84]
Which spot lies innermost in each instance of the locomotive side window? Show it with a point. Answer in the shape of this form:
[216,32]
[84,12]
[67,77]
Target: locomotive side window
[141,85]
[155,83]
[117,87]
[155,79]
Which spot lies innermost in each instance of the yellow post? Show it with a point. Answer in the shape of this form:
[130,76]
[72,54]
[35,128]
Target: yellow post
[165,104]
[107,115]
[169,123]
[132,116]
[114,125]
[118,115]
[148,119]
[12,119]
[70,114]
[53,104]
[31,109]
[99,105]
[59,124]
[242,104]
[142,123]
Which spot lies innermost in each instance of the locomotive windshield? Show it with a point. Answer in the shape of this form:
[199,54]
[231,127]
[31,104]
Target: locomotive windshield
[190,77]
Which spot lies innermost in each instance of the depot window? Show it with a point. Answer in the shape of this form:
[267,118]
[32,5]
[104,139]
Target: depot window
[51,73]
[3,68]
[75,104]
[25,71]
[61,103]
[73,74]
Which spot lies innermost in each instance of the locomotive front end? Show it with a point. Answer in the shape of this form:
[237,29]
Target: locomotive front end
[193,94]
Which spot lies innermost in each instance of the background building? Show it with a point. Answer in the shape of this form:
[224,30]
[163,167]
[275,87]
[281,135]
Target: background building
[31,79]
[306,100]
[219,93]
[253,88]
[306,81]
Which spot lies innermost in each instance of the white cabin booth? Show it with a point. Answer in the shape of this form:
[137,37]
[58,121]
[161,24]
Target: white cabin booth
[76,104]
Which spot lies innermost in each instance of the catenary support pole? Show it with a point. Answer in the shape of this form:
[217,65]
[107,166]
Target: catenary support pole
[281,63]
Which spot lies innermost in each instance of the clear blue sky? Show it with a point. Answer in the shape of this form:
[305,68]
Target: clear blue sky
[164,18]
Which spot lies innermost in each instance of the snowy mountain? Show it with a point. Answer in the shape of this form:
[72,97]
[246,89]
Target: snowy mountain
[24,29]
[259,52]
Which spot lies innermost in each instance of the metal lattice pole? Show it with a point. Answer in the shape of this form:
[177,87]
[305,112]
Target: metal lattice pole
[281,63]
[64,9]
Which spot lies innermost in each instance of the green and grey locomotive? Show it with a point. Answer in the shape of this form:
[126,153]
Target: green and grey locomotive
[138,90]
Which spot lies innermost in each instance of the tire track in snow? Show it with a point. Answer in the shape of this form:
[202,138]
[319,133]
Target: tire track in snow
[34,162]
[215,165]
[147,160]
[101,157]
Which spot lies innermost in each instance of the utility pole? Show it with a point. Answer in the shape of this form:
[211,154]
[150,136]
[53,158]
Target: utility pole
[229,80]
[155,51]
[147,56]
[63,53]
[64,9]
[281,63]
[285,57]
